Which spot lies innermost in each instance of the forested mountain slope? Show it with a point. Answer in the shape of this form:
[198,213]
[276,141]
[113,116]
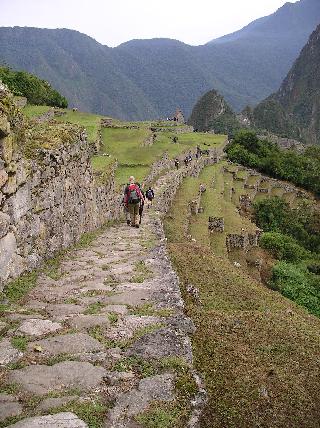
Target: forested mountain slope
[144,79]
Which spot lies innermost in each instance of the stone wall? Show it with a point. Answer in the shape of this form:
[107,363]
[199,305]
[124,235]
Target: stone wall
[216,224]
[47,200]
[20,101]
[243,241]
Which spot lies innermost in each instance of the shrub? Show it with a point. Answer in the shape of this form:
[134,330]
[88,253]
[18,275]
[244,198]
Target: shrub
[297,284]
[283,247]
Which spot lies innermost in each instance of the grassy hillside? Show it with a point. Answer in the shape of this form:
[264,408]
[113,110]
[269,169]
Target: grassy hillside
[255,349]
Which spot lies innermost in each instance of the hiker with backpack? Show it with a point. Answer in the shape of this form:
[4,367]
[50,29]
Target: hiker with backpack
[149,196]
[132,200]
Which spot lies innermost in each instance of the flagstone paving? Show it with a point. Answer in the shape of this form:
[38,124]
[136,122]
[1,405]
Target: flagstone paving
[110,329]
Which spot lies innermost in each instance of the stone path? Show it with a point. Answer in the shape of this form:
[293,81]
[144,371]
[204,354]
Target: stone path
[109,329]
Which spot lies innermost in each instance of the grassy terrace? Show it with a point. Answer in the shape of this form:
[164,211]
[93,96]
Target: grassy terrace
[32,111]
[126,146]
[88,120]
[134,158]
[257,351]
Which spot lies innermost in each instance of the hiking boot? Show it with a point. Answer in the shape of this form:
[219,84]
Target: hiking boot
[137,226]
[128,222]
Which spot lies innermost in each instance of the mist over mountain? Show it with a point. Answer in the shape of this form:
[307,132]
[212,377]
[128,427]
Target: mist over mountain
[144,79]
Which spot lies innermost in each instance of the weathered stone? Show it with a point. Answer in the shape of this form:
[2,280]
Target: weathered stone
[8,354]
[38,327]
[22,173]
[87,321]
[41,379]
[3,177]
[7,148]
[59,420]
[114,378]
[64,309]
[76,343]
[4,125]
[118,309]
[3,326]
[11,185]
[159,388]
[8,248]
[160,344]
[19,204]
[4,224]
[51,403]
[9,406]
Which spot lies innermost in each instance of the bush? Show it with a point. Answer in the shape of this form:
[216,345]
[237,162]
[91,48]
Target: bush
[37,91]
[297,284]
[283,247]
[301,223]
[301,169]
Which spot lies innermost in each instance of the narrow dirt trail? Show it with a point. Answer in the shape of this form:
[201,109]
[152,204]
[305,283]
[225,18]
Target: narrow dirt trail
[97,332]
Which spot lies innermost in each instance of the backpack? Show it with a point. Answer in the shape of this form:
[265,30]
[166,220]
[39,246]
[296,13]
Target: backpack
[149,194]
[133,197]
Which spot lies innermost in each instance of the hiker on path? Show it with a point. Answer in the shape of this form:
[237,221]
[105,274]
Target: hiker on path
[176,163]
[132,199]
[150,196]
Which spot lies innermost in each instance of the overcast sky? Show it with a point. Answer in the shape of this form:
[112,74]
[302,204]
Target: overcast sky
[112,22]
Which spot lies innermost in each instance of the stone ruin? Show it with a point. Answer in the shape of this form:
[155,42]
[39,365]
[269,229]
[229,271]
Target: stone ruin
[194,206]
[216,224]
[179,117]
[244,241]
[245,202]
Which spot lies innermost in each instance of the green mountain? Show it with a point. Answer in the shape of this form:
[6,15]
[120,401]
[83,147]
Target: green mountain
[211,112]
[294,110]
[144,79]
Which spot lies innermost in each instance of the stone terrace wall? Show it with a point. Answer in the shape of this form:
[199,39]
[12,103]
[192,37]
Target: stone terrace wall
[47,201]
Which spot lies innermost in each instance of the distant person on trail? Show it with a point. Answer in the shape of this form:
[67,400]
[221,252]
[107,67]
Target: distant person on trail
[150,196]
[132,200]
[176,163]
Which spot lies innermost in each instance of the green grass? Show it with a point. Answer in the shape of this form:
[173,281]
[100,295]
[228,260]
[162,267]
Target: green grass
[32,111]
[17,288]
[88,120]
[94,308]
[141,272]
[19,342]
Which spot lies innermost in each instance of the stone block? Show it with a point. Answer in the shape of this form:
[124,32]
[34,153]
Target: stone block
[4,224]
[4,125]
[9,406]
[216,224]
[3,177]
[59,420]
[41,379]
[8,354]
[11,185]
[7,148]
[8,248]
